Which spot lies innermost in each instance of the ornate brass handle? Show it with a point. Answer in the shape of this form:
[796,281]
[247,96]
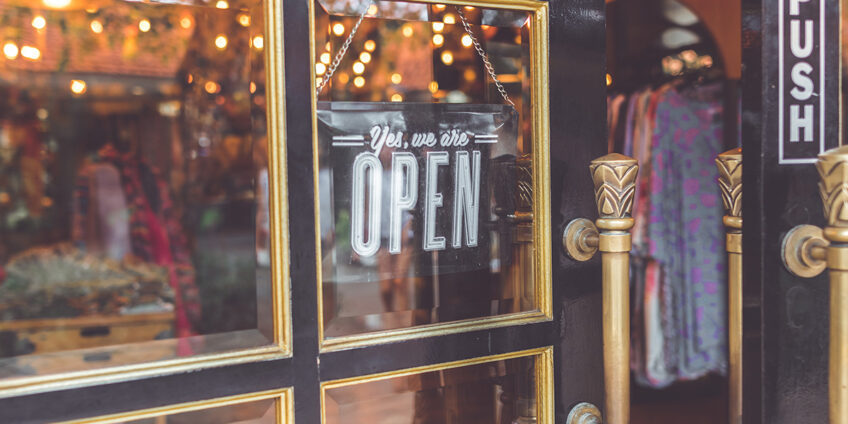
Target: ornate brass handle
[614,177]
[730,182]
[806,253]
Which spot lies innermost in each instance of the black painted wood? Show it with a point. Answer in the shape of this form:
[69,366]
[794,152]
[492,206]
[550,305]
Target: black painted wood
[578,134]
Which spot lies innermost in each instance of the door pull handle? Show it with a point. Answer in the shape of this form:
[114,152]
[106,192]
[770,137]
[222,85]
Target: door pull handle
[729,166]
[807,250]
[614,178]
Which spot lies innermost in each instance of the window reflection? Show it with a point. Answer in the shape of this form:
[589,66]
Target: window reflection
[133,182]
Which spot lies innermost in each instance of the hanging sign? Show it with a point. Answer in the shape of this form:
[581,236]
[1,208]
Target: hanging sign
[412,179]
[808,90]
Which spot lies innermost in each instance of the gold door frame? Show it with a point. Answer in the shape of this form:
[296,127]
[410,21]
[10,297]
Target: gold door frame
[284,397]
[541,191]
[544,370]
[280,346]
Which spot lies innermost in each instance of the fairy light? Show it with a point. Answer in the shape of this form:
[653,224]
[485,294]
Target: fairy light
[221,42]
[359,82]
[244,19]
[211,87]
[447,58]
[433,87]
[370,45]
[358,67]
[466,40]
[439,7]
[438,40]
[96,26]
[39,22]
[407,30]
[325,58]
[449,19]
[10,50]
[252,87]
[185,22]
[438,26]
[397,97]
[344,78]
[320,68]
[144,25]
[327,46]
[469,8]
[469,75]
[609,80]
[338,29]
[78,86]
[222,4]
[189,78]
[30,52]
[396,78]
[258,42]
[56,4]
[365,57]
[372,10]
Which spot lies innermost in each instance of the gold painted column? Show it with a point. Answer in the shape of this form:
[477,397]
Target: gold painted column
[614,178]
[833,170]
[730,182]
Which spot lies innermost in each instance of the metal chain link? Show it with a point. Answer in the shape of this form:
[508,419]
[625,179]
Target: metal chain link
[482,53]
[489,68]
[341,53]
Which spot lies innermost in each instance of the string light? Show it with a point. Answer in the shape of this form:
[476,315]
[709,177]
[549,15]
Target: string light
[211,87]
[221,42]
[609,80]
[469,8]
[244,19]
[438,40]
[338,29]
[372,10]
[359,82]
[447,58]
[78,86]
[396,78]
[344,77]
[358,67]
[258,42]
[438,26]
[449,19]
[185,22]
[30,52]
[397,97]
[439,7]
[325,58]
[466,40]
[56,4]
[144,25]
[39,22]
[370,45]
[327,46]
[407,30]
[189,78]
[433,86]
[365,57]
[96,26]
[252,87]
[222,4]
[10,50]
[320,68]
[469,75]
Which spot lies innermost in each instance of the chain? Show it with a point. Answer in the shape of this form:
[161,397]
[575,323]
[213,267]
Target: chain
[482,53]
[341,53]
[489,68]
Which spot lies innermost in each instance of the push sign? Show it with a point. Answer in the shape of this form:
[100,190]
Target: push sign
[806,92]
[412,178]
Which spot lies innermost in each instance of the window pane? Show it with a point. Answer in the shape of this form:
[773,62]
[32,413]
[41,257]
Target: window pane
[256,412]
[132,227]
[425,168]
[500,392]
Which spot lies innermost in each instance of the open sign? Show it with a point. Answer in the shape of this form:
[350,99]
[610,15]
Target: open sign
[413,176]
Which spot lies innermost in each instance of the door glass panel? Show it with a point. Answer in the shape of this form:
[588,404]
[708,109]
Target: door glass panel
[426,171]
[497,392]
[134,215]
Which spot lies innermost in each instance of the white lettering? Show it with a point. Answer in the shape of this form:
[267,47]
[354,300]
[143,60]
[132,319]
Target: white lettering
[794,6]
[466,199]
[433,200]
[366,162]
[800,75]
[404,194]
[797,122]
[798,50]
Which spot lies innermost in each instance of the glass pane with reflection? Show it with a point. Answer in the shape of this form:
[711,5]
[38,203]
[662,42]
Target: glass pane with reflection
[413,67]
[256,412]
[132,226]
[500,392]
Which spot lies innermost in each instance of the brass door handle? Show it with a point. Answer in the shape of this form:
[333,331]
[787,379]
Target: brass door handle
[807,250]
[730,183]
[614,178]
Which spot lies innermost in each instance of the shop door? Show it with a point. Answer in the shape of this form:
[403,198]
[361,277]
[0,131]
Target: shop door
[793,345]
[418,203]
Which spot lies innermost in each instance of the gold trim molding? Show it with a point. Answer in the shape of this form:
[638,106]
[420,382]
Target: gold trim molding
[280,346]
[540,191]
[284,406]
[544,376]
